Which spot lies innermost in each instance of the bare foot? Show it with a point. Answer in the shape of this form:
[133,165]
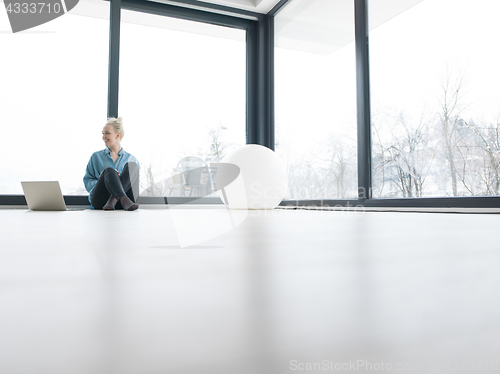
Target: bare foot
[128,204]
[110,205]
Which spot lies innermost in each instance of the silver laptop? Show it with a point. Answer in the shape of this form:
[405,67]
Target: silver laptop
[44,196]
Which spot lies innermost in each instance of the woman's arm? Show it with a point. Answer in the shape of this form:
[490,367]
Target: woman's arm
[90,179]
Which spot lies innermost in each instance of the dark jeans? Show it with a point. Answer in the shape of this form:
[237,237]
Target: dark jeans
[110,184]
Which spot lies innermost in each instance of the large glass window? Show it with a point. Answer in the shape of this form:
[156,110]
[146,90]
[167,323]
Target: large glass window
[53,97]
[316,98]
[435,98]
[182,93]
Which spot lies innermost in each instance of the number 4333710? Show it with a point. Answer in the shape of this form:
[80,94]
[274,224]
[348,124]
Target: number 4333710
[34,8]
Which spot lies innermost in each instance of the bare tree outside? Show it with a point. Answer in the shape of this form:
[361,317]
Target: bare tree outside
[329,172]
[410,156]
[338,165]
[149,187]
[218,147]
[450,122]
[447,153]
[166,181]
[484,158]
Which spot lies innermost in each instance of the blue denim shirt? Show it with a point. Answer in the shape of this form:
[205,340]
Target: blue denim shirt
[101,160]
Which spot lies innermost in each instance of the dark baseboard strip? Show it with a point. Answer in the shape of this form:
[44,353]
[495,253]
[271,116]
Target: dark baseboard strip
[362,209]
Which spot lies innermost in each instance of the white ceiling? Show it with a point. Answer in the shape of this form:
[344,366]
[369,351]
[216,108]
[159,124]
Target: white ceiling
[259,6]
[314,26]
[324,26]
[319,26]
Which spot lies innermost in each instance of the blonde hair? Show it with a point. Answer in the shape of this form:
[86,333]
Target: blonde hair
[117,124]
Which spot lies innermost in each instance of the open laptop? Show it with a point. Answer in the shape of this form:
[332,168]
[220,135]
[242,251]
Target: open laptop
[44,196]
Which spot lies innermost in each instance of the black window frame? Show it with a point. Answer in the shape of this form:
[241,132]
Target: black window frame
[364,151]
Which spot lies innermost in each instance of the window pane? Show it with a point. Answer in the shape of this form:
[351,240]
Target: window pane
[435,97]
[182,93]
[316,98]
[53,98]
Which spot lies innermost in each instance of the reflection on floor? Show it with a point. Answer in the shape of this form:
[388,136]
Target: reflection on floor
[212,291]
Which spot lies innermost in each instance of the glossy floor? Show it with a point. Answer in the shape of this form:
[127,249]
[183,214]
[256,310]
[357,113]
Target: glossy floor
[205,290]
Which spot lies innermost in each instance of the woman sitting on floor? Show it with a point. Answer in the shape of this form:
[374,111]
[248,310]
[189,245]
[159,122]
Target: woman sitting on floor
[112,175]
